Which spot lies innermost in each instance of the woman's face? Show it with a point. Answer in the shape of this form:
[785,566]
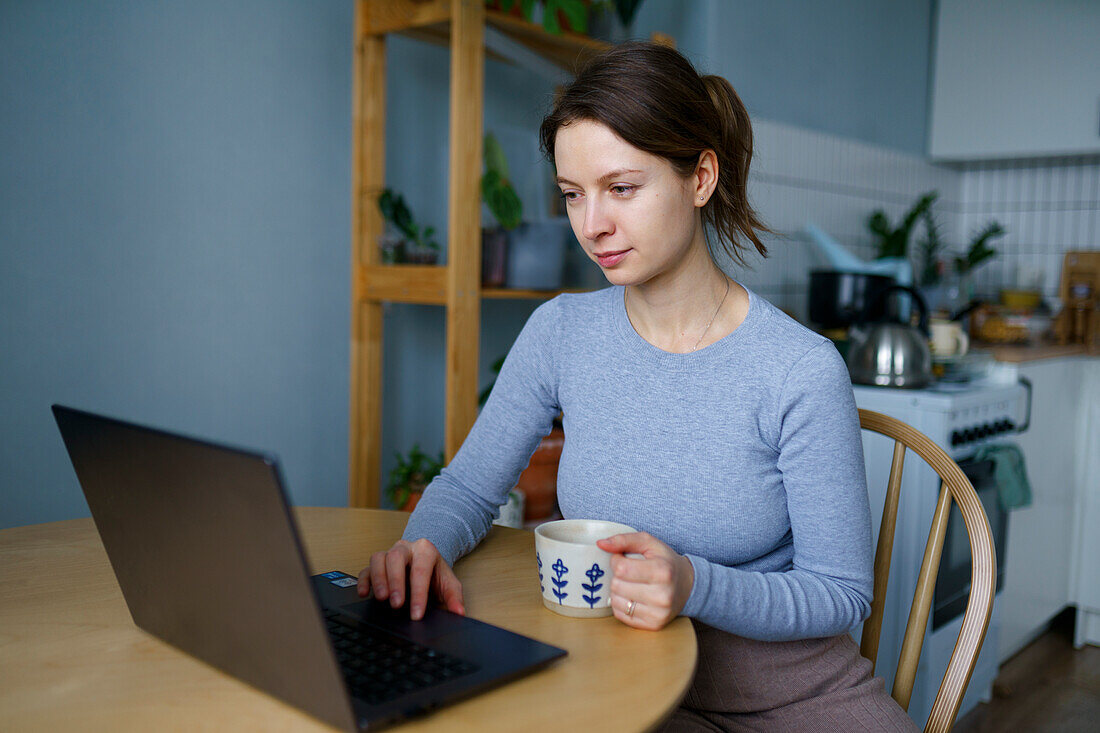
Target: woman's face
[632,213]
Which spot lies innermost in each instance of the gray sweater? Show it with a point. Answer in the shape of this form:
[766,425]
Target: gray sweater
[745,456]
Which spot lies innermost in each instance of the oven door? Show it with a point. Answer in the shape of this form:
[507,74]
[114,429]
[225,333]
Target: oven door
[953,582]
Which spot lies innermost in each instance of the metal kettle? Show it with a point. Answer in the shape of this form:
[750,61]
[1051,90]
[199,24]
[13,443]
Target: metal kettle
[890,353]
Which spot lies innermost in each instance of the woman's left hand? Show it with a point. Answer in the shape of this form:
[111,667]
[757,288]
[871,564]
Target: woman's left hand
[649,591]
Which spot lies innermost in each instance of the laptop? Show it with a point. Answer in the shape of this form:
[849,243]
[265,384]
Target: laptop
[208,557]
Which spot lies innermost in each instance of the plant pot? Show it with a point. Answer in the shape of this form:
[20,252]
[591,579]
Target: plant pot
[399,251]
[539,481]
[494,257]
[536,256]
[412,501]
[420,256]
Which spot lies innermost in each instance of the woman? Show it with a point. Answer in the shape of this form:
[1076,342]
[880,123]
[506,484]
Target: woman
[693,410]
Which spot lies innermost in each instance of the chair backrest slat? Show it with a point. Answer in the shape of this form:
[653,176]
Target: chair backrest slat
[872,629]
[954,486]
[922,602]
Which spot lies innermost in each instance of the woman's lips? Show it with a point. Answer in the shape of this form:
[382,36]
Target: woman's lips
[610,259]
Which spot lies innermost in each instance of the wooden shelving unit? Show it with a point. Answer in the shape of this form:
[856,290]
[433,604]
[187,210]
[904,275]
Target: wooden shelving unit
[460,25]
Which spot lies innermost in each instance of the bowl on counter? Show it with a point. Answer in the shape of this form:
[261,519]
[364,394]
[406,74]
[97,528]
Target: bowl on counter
[1023,299]
[1002,325]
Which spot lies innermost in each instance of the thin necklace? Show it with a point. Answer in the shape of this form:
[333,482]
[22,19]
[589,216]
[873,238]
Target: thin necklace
[723,300]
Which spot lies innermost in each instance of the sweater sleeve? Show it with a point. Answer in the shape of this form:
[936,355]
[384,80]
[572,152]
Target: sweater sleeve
[827,590]
[459,505]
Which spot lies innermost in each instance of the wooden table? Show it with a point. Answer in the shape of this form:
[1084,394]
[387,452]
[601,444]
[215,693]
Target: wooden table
[72,659]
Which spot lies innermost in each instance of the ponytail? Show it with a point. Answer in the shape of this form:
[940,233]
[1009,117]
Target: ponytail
[654,99]
[728,212]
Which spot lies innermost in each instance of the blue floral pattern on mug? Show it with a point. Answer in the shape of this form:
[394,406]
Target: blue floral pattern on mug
[538,559]
[594,573]
[560,570]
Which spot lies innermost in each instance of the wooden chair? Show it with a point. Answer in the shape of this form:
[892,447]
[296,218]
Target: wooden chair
[954,485]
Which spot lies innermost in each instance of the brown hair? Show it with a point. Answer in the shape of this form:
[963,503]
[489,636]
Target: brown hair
[654,99]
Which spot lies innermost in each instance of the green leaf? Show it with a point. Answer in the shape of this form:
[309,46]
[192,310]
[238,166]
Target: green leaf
[490,181]
[550,20]
[505,206]
[576,12]
[930,247]
[411,473]
[495,159]
[527,7]
[895,242]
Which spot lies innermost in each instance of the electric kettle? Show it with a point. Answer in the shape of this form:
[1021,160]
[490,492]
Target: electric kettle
[890,353]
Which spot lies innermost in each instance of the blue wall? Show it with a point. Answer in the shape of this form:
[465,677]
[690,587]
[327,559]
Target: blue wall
[174,196]
[175,205]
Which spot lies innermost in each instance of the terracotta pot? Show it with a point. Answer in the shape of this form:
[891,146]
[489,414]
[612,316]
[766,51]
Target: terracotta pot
[412,501]
[539,481]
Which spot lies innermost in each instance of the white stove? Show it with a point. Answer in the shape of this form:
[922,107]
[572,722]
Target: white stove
[960,419]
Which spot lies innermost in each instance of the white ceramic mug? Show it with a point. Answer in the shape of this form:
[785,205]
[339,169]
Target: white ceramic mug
[949,339]
[575,574]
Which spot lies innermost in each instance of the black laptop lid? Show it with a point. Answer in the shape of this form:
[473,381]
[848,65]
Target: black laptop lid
[207,557]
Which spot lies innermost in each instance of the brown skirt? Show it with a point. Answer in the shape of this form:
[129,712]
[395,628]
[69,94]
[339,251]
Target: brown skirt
[806,685]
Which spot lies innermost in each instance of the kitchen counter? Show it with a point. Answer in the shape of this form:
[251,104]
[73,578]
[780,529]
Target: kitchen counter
[1022,354]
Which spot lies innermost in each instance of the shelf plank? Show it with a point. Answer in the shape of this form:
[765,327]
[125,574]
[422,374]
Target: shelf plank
[398,16]
[425,284]
[568,51]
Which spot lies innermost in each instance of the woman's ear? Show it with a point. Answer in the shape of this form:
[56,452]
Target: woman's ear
[705,177]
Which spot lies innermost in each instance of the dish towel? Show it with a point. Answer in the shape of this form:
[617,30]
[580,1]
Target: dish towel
[1011,474]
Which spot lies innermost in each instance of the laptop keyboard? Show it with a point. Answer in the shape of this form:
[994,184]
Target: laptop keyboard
[379,666]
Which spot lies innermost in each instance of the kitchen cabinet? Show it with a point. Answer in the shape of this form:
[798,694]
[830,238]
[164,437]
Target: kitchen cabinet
[1040,547]
[1015,78]
[1085,568]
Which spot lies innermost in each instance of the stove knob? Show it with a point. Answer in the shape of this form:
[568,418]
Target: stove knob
[956,438]
[984,431]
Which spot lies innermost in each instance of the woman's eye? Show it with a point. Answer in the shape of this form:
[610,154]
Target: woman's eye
[622,189]
[569,195]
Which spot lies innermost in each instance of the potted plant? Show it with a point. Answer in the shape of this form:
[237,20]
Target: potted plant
[894,241]
[505,206]
[407,242]
[959,289]
[410,477]
[539,481]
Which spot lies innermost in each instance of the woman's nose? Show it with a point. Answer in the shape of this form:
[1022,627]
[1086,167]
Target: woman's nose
[596,221]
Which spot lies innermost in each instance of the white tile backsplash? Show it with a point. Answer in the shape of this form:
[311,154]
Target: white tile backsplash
[1048,208]
[800,176]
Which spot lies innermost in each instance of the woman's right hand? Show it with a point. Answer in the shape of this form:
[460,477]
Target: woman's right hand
[424,568]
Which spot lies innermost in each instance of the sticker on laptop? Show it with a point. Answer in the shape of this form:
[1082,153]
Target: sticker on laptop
[339,579]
